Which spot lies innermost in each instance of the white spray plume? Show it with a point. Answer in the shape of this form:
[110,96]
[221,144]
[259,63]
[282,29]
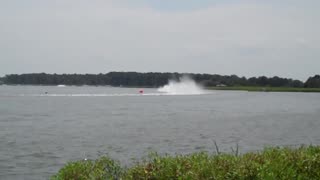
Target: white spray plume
[184,86]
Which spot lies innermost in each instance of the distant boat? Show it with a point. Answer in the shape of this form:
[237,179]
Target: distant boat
[61,85]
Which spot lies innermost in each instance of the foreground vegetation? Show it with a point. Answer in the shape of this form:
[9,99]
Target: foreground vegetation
[271,163]
[266,89]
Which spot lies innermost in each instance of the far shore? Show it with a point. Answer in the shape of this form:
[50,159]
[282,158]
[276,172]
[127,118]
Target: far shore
[226,88]
[264,89]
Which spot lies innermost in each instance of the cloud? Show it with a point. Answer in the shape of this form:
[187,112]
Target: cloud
[245,38]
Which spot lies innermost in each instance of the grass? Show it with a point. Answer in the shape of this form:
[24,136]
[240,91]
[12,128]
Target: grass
[271,163]
[266,89]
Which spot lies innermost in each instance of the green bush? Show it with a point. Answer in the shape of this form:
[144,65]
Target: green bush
[102,168]
[271,163]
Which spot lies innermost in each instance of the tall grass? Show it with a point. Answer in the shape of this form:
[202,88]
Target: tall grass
[271,163]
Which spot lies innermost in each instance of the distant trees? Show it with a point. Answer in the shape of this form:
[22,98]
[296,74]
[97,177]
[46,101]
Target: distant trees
[274,82]
[313,82]
[112,78]
[153,79]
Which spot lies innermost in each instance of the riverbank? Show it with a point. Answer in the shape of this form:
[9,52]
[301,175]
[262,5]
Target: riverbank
[265,89]
[271,163]
[227,88]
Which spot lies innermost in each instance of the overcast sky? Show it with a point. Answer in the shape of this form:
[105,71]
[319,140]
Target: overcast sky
[242,37]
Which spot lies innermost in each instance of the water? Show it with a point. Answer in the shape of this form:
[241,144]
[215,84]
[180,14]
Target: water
[40,132]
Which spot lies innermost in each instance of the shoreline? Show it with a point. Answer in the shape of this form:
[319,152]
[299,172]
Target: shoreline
[264,89]
[225,88]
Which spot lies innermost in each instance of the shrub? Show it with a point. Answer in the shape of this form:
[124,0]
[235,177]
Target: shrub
[271,163]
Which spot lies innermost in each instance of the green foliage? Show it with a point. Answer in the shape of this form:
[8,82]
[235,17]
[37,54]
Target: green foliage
[103,168]
[151,79]
[313,82]
[271,163]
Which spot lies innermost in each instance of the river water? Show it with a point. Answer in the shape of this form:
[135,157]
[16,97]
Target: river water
[43,127]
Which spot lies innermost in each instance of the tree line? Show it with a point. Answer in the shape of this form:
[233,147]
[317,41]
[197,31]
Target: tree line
[153,79]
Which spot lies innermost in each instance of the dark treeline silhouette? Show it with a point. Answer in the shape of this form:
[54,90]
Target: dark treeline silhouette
[135,79]
[313,82]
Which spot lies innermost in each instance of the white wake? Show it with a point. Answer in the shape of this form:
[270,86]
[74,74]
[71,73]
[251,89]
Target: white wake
[184,86]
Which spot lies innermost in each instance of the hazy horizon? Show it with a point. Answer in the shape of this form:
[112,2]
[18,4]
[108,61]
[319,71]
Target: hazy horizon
[247,37]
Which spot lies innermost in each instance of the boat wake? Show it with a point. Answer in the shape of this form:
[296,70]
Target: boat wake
[184,86]
[92,95]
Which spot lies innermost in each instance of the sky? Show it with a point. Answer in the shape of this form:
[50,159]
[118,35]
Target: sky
[242,37]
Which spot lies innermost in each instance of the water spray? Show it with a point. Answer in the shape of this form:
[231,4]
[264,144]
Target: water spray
[184,86]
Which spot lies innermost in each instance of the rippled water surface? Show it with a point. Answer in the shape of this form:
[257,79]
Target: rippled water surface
[40,132]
